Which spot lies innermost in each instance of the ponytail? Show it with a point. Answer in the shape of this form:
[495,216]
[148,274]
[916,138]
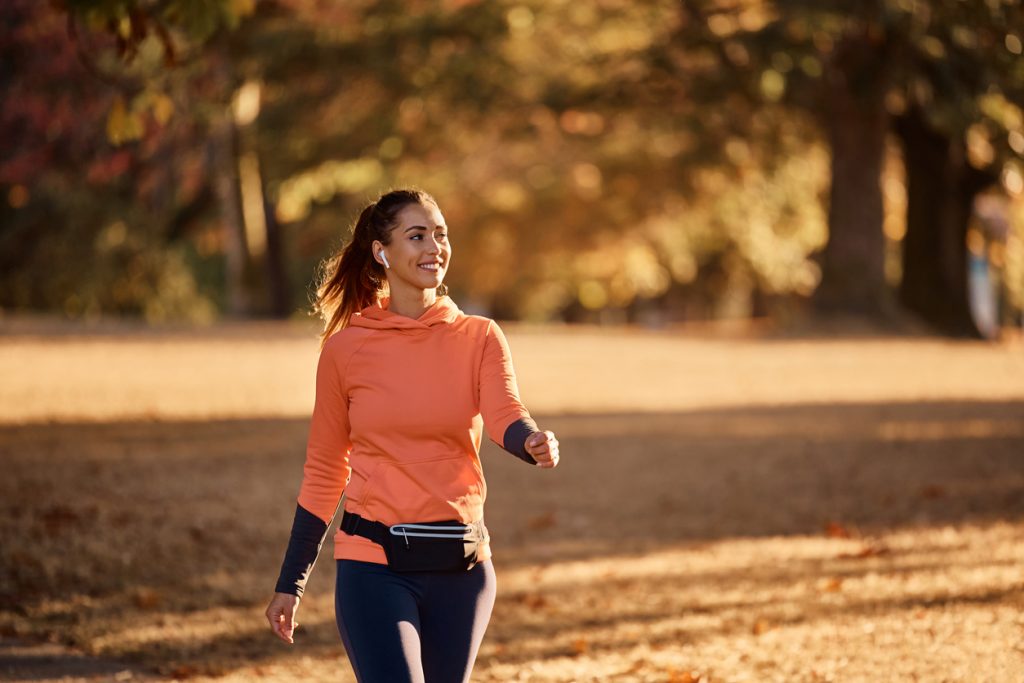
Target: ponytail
[351,279]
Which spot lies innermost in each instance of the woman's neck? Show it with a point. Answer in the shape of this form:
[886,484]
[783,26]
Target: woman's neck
[412,303]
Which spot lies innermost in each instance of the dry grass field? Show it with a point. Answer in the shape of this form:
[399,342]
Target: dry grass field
[729,507]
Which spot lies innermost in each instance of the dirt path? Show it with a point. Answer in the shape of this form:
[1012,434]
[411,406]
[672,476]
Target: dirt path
[727,509]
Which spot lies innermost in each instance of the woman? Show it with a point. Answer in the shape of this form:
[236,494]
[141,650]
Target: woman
[406,384]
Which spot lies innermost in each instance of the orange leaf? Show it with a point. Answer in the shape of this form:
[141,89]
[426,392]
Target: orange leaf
[147,598]
[532,600]
[833,585]
[541,522]
[837,530]
[873,550]
[184,671]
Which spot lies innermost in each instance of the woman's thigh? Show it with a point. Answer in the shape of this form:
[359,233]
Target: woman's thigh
[379,622]
[454,612]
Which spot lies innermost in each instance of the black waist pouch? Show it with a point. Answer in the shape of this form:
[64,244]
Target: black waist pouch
[448,545]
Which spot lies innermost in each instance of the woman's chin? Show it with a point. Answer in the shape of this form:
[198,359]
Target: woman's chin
[432,280]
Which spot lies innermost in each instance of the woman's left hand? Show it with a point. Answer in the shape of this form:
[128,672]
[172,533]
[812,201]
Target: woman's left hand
[543,447]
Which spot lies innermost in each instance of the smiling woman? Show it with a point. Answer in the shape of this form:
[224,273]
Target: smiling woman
[393,432]
[419,255]
[357,276]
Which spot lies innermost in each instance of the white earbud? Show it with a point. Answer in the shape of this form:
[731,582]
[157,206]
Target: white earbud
[385,259]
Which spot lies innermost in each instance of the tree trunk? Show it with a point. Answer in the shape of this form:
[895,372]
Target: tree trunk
[277,269]
[236,250]
[941,187]
[224,147]
[853,274]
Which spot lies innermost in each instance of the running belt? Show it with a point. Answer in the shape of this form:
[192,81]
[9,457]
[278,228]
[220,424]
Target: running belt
[378,532]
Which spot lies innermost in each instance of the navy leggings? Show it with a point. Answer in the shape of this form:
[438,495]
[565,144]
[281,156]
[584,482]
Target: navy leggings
[418,627]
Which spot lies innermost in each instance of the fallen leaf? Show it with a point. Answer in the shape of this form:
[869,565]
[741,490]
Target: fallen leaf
[833,585]
[837,530]
[873,550]
[541,522]
[184,671]
[57,518]
[760,626]
[532,600]
[147,598]
[579,646]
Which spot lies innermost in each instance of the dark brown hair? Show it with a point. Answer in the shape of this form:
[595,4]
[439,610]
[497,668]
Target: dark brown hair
[351,279]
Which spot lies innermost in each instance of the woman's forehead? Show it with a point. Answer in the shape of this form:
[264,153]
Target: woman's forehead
[427,215]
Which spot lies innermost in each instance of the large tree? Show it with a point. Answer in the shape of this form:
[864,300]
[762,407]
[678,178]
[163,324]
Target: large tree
[855,66]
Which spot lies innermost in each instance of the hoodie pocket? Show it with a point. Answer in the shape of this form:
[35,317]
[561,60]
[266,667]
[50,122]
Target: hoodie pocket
[450,487]
[359,484]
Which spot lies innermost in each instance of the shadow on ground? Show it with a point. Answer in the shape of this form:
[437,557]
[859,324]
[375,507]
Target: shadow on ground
[159,542]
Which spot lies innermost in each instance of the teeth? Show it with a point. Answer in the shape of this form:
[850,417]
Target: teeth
[429,266]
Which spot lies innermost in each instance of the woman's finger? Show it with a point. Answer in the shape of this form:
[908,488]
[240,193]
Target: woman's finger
[282,619]
[282,629]
[547,460]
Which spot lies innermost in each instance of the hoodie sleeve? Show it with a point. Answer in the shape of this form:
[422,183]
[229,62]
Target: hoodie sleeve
[507,421]
[327,470]
[325,474]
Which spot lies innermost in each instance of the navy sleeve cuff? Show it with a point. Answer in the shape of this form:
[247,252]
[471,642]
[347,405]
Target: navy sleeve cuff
[308,533]
[515,437]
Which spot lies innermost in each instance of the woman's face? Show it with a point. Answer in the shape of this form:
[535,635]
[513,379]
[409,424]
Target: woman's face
[419,252]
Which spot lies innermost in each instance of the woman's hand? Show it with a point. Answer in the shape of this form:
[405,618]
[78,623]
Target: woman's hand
[543,447]
[281,615]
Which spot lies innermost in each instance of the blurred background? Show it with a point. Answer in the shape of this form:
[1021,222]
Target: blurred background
[609,161]
[760,264]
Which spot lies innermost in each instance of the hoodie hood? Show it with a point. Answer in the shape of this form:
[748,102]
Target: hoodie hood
[377,316]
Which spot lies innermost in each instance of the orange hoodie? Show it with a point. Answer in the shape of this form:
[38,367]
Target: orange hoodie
[400,408]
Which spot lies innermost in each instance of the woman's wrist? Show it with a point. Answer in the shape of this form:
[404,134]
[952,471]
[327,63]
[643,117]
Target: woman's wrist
[516,434]
[307,535]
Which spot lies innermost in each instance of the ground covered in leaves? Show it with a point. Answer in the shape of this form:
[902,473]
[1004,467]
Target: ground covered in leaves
[729,507]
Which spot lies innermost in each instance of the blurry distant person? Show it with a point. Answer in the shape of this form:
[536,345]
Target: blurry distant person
[405,385]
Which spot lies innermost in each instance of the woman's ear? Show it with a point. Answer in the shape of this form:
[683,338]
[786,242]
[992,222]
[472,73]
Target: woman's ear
[377,251]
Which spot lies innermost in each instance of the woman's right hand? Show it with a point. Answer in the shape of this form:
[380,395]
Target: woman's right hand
[281,615]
